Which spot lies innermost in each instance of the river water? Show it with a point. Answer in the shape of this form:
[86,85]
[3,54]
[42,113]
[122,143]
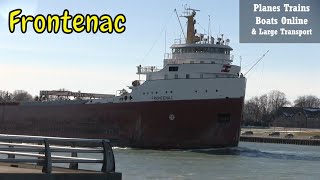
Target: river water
[248,161]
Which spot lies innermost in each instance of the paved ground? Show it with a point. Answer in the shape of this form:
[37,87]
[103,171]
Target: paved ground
[25,168]
[299,133]
[31,172]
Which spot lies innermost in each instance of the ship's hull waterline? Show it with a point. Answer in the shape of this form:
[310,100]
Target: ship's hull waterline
[156,125]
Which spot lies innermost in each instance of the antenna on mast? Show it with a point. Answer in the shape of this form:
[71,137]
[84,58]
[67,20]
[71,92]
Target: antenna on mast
[209,35]
[165,42]
[240,62]
[175,10]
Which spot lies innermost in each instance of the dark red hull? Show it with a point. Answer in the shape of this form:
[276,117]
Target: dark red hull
[195,124]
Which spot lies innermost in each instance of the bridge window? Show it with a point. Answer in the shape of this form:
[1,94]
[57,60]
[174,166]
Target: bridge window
[221,51]
[190,50]
[173,68]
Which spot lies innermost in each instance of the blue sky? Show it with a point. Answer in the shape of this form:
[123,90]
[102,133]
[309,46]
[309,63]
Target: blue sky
[104,63]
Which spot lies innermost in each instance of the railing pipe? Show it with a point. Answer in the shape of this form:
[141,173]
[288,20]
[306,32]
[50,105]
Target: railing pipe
[41,149]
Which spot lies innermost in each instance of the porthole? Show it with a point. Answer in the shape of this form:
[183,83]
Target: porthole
[217,90]
[171,92]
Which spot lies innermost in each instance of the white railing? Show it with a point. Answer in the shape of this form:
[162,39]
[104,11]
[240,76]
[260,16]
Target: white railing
[168,56]
[147,69]
[180,41]
[204,40]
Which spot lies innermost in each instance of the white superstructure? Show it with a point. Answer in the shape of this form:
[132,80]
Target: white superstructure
[198,68]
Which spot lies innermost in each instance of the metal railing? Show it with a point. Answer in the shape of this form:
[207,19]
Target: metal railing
[147,69]
[42,147]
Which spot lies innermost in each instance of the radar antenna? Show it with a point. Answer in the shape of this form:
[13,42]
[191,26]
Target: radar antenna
[190,13]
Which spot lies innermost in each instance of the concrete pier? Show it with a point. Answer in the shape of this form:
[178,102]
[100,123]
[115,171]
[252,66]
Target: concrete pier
[33,172]
[306,142]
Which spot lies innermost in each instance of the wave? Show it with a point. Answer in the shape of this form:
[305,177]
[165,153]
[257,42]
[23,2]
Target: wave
[254,153]
[121,148]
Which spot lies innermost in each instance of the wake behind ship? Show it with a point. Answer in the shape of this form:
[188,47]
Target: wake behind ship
[194,101]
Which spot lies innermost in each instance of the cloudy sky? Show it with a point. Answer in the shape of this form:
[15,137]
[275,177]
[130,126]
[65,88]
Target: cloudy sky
[104,63]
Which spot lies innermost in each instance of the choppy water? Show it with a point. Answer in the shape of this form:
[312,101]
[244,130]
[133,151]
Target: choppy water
[248,161]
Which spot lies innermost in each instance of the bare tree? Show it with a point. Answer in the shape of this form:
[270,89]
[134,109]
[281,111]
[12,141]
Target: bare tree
[256,109]
[262,108]
[21,95]
[277,99]
[5,96]
[309,101]
[251,111]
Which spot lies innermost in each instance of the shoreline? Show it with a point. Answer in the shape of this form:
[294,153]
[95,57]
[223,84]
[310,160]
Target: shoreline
[298,133]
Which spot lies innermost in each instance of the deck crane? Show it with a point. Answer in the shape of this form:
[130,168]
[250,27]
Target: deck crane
[257,62]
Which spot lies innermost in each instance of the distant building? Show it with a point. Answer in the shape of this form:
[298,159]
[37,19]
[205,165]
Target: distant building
[297,117]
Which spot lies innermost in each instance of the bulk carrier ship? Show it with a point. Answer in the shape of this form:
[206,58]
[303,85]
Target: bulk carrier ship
[194,101]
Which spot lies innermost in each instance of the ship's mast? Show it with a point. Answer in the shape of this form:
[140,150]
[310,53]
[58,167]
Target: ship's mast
[191,37]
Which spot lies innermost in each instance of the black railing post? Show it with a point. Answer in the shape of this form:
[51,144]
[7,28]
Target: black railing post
[108,158]
[11,156]
[40,163]
[74,165]
[47,165]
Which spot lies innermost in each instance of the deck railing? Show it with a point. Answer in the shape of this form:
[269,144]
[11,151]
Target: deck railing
[147,69]
[40,148]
